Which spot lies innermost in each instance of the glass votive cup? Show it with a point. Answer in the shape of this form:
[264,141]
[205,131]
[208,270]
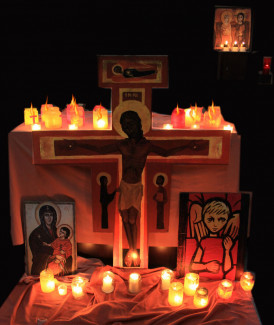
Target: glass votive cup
[176,294]
[200,299]
[134,283]
[191,283]
[247,281]
[108,282]
[78,287]
[225,289]
[62,289]
[166,278]
[47,281]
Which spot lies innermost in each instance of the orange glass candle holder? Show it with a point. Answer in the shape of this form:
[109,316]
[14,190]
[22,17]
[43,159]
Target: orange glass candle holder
[47,281]
[176,294]
[225,289]
[247,281]
[191,283]
[200,297]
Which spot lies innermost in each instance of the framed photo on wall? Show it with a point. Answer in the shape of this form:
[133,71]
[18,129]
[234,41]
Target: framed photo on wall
[213,230]
[232,29]
[50,242]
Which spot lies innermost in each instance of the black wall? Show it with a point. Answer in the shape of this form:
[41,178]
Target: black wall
[50,49]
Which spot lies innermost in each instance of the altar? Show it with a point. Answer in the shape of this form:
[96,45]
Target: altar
[53,170]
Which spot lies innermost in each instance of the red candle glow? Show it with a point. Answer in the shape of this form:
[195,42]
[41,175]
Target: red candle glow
[178,118]
[267,64]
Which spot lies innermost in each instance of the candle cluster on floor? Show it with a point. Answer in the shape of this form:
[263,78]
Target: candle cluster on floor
[73,117]
[176,289]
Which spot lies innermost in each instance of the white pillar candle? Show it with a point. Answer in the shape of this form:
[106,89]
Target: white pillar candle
[191,283]
[107,282]
[166,278]
[134,282]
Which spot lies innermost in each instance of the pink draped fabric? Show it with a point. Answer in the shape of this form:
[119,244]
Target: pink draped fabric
[27,303]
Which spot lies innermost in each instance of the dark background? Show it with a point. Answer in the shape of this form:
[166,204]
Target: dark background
[50,49]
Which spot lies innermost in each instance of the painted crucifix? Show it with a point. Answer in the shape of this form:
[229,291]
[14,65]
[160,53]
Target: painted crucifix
[134,150]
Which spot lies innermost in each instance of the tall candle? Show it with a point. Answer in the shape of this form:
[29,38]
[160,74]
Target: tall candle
[247,281]
[47,281]
[134,283]
[107,282]
[200,297]
[225,289]
[166,278]
[100,117]
[191,283]
[176,294]
[178,118]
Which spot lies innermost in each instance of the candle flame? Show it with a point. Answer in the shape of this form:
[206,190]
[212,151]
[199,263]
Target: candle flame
[99,114]
[177,109]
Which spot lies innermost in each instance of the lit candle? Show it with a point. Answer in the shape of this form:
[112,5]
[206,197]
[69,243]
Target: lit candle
[107,285]
[73,127]
[176,294]
[100,117]
[167,126]
[78,287]
[36,127]
[134,283]
[31,115]
[200,297]
[166,278]
[62,289]
[213,117]
[193,115]
[235,47]
[242,47]
[53,118]
[178,118]
[267,64]
[191,283]
[44,108]
[225,289]
[75,113]
[247,281]
[47,281]
[228,127]
[225,47]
